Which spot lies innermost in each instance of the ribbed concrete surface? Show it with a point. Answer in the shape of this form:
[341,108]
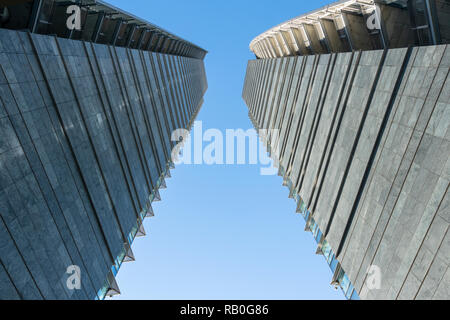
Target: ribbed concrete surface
[365,140]
[84,144]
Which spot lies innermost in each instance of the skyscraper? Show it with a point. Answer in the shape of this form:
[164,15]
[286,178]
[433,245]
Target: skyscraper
[359,92]
[89,98]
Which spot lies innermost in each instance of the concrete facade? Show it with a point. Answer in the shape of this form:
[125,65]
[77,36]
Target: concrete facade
[85,144]
[364,147]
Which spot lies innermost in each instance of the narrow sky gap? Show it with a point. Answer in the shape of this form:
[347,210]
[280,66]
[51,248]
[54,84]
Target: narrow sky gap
[224,232]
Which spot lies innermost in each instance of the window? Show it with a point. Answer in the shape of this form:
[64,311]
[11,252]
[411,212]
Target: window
[318,235]
[350,291]
[344,282]
[326,249]
[334,263]
[354,296]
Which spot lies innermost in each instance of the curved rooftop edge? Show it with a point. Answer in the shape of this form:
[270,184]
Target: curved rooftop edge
[351,25]
[100,22]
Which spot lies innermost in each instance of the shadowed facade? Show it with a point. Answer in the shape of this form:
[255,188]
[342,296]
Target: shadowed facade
[85,146]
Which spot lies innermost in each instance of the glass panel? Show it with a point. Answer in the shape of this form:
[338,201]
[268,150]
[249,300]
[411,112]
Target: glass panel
[349,292]
[302,207]
[114,270]
[313,227]
[307,214]
[133,233]
[330,257]
[102,292]
[318,236]
[121,257]
[355,296]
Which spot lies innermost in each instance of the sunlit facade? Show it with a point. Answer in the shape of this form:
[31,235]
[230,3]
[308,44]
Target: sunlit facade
[359,92]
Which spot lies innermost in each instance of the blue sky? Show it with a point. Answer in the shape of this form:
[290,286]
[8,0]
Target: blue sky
[224,232]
